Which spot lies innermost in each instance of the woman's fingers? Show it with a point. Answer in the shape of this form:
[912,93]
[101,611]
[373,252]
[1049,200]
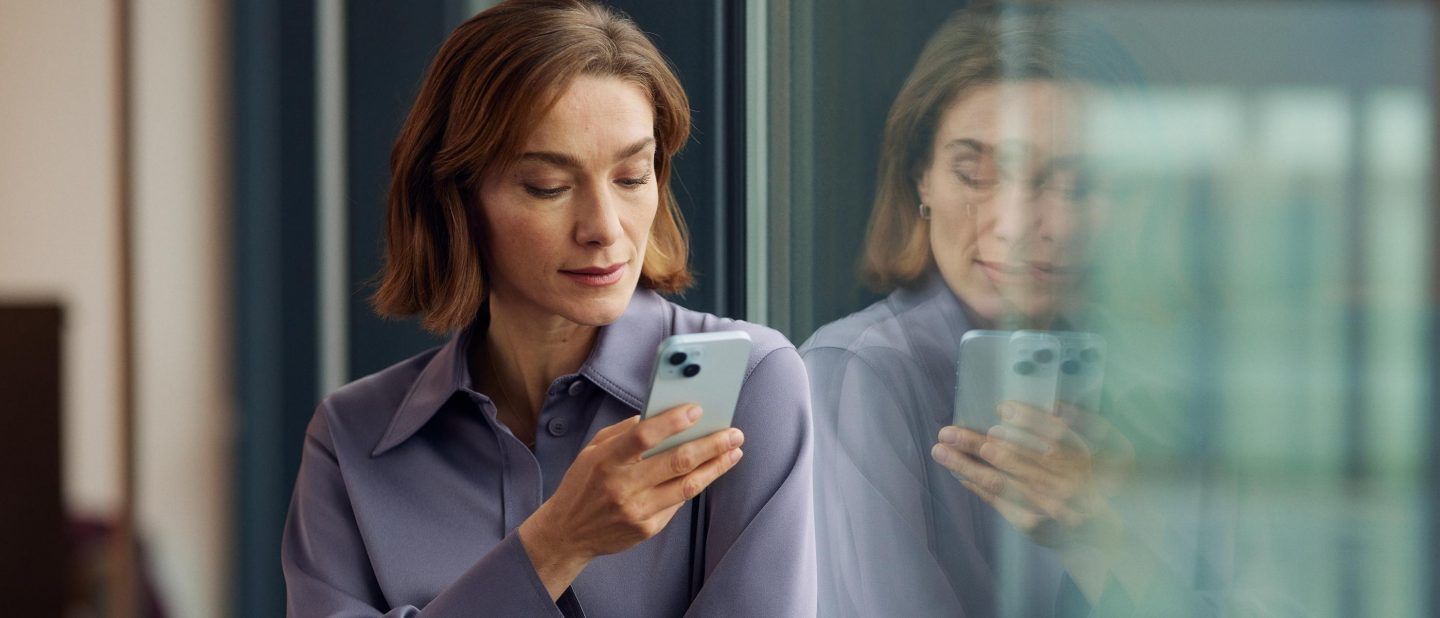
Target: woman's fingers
[1019,462]
[649,433]
[967,467]
[1051,428]
[614,430]
[1005,472]
[1024,439]
[1027,506]
[679,489]
[685,458]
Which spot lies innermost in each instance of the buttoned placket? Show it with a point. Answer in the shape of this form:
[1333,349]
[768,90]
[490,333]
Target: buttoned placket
[521,485]
[559,429]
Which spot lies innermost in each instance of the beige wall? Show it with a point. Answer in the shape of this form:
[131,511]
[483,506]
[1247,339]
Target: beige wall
[181,291]
[57,212]
[57,240]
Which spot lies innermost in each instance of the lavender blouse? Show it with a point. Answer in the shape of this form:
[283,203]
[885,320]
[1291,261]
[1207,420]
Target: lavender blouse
[410,491]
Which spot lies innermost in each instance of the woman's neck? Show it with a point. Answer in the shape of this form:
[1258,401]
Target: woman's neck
[522,353]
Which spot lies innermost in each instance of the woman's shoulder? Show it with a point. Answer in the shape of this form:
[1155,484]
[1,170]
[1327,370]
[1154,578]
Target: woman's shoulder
[364,408]
[765,340]
[878,328]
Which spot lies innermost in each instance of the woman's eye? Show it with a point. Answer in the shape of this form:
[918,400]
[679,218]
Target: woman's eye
[636,181]
[1074,185]
[975,175]
[545,192]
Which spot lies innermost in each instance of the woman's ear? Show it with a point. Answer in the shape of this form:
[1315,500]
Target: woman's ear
[922,185]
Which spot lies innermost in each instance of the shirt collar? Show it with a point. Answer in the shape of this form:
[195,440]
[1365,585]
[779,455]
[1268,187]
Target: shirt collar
[446,373]
[937,310]
[620,364]
[624,352]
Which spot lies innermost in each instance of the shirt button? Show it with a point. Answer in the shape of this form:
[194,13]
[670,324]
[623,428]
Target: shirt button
[577,388]
[557,427]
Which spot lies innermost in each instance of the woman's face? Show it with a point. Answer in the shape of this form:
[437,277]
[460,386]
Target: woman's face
[568,222]
[1010,207]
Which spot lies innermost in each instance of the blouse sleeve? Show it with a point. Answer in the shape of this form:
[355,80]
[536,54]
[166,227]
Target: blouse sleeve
[760,545]
[327,571]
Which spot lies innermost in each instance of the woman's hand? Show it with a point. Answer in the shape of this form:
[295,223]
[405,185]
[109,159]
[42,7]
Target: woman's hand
[1037,471]
[611,499]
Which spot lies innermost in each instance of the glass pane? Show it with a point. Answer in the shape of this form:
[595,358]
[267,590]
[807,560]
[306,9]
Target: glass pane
[1193,241]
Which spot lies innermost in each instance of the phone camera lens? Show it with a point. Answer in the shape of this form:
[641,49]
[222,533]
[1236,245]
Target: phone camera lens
[1043,355]
[678,358]
[1090,355]
[691,371]
[1070,367]
[1024,368]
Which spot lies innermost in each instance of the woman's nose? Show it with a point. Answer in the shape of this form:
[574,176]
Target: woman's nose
[598,218]
[1017,215]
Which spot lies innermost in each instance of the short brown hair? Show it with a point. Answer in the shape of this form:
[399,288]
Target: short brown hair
[494,78]
[985,44]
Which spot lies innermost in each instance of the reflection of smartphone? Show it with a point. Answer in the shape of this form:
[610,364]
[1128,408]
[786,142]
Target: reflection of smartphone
[977,379]
[1082,370]
[998,366]
[705,369]
[1031,368]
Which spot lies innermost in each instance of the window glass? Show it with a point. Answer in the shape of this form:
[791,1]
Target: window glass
[1202,237]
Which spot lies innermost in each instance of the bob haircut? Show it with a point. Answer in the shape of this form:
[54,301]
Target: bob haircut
[985,44]
[492,81]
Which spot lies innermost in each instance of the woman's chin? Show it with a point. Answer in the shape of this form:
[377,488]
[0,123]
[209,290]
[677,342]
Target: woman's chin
[598,311]
[1038,311]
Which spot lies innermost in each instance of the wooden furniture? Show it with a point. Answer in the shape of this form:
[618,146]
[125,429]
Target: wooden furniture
[33,545]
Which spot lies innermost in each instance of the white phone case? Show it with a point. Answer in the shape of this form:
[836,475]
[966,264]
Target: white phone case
[705,369]
[1082,370]
[977,379]
[999,365]
[1032,369]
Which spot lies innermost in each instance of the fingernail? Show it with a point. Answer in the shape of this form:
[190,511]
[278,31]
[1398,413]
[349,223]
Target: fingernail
[939,453]
[735,455]
[693,413]
[736,438]
[987,450]
[950,435]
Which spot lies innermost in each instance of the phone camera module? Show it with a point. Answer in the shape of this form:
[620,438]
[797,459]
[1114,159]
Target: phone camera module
[691,371]
[1090,355]
[678,358]
[1043,355]
[1070,367]
[1024,368]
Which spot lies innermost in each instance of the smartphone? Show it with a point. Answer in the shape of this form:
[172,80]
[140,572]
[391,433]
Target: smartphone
[1082,370]
[705,369]
[997,366]
[1031,368]
[977,379]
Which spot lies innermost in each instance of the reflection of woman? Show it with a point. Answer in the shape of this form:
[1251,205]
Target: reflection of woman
[980,221]
[501,474]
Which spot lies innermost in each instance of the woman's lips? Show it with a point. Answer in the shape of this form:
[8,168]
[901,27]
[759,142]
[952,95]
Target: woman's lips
[596,276]
[1023,272]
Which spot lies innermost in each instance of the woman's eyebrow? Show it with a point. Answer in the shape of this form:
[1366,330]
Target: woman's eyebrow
[634,149]
[560,159]
[966,142]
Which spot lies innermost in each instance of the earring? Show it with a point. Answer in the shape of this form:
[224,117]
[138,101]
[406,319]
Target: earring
[924,212]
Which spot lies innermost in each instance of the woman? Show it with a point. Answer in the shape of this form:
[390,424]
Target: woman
[530,214]
[981,220]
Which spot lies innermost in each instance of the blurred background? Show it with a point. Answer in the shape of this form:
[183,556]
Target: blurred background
[190,210]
